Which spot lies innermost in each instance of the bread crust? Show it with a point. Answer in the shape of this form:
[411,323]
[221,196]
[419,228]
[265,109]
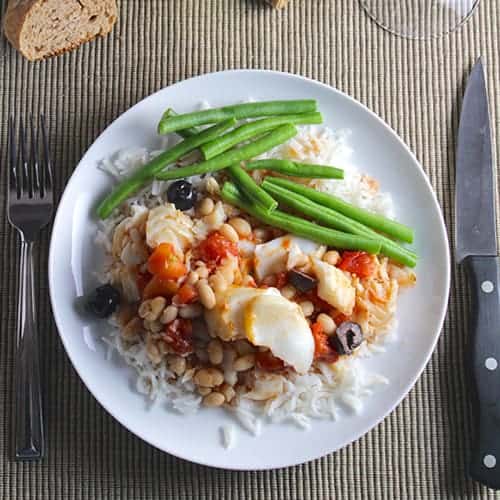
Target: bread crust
[18,13]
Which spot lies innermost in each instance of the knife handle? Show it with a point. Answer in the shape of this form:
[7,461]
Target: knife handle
[484,362]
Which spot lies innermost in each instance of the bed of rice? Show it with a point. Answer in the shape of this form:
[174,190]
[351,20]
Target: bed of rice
[327,394]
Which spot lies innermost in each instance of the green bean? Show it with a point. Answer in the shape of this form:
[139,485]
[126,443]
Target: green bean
[253,129]
[249,187]
[231,194]
[224,160]
[188,132]
[296,169]
[331,218]
[238,111]
[374,221]
[146,173]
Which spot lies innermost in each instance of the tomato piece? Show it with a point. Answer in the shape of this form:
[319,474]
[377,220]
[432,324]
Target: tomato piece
[360,263]
[159,287]
[187,294]
[322,349]
[339,318]
[165,263]
[215,248]
[267,361]
[179,336]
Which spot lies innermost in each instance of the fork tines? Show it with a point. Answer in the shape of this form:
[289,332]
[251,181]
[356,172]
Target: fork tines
[30,175]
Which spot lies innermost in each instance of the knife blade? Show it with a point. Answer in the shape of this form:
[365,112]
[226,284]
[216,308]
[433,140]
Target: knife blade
[474,195]
[476,249]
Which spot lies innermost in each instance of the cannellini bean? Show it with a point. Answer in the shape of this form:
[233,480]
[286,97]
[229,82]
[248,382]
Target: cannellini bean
[153,353]
[152,309]
[202,271]
[144,308]
[327,323]
[132,328]
[177,364]
[244,362]
[241,226]
[208,377]
[215,352]
[288,291]
[217,376]
[228,392]
[212,186]
[218,283]
[227,272]
[191,311]
[212,220]
[206,206]
[192,278]
[213,399]
[169,314]
[243,347]
[206,294]
[307,307]
[331,257]
[231,376]
[261,234]
[229,232]
[163,346]
[152,326]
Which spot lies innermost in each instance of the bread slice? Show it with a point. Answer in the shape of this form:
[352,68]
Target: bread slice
[44,28]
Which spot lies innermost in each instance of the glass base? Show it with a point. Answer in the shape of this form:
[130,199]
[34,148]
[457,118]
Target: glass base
[419,19]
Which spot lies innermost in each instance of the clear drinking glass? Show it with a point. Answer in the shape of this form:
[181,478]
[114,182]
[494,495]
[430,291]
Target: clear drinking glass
[419,19]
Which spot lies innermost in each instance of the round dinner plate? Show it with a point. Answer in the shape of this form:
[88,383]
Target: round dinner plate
[377,151]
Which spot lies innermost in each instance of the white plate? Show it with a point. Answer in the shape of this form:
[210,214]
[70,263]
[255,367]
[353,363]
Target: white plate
[377,151]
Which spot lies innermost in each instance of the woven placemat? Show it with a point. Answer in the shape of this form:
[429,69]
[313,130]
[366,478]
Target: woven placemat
[420,451]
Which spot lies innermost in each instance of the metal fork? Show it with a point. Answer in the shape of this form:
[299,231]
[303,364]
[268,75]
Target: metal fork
[30,206]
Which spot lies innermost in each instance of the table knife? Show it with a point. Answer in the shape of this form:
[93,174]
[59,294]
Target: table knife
[476,250]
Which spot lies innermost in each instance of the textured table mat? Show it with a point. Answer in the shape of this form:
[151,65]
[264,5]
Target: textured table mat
[420,450]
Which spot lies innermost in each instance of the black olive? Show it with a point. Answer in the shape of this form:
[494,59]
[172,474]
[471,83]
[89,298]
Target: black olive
[347,337]
[301,281]
[103,301]
[182,194]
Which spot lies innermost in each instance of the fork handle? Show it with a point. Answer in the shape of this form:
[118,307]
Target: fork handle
[29,436]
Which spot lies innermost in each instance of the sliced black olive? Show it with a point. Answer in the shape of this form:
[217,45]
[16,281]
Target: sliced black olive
[301,281]
[182,194]
[347,337]
[103,301]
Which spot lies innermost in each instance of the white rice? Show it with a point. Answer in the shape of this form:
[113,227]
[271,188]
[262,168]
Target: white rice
[228,436]
[328,394]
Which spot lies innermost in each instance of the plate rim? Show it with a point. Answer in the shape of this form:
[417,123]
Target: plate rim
[430,348]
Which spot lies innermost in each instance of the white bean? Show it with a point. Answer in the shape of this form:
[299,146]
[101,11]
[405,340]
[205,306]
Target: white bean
[213,399]
[207,296]
[327,323]
[241,226]
[215,352]
[229,232]
[307,307]
[331,257]
[206,206]
[244,363]
[169,314]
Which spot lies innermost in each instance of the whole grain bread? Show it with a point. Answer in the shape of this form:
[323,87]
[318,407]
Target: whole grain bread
[44,28]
